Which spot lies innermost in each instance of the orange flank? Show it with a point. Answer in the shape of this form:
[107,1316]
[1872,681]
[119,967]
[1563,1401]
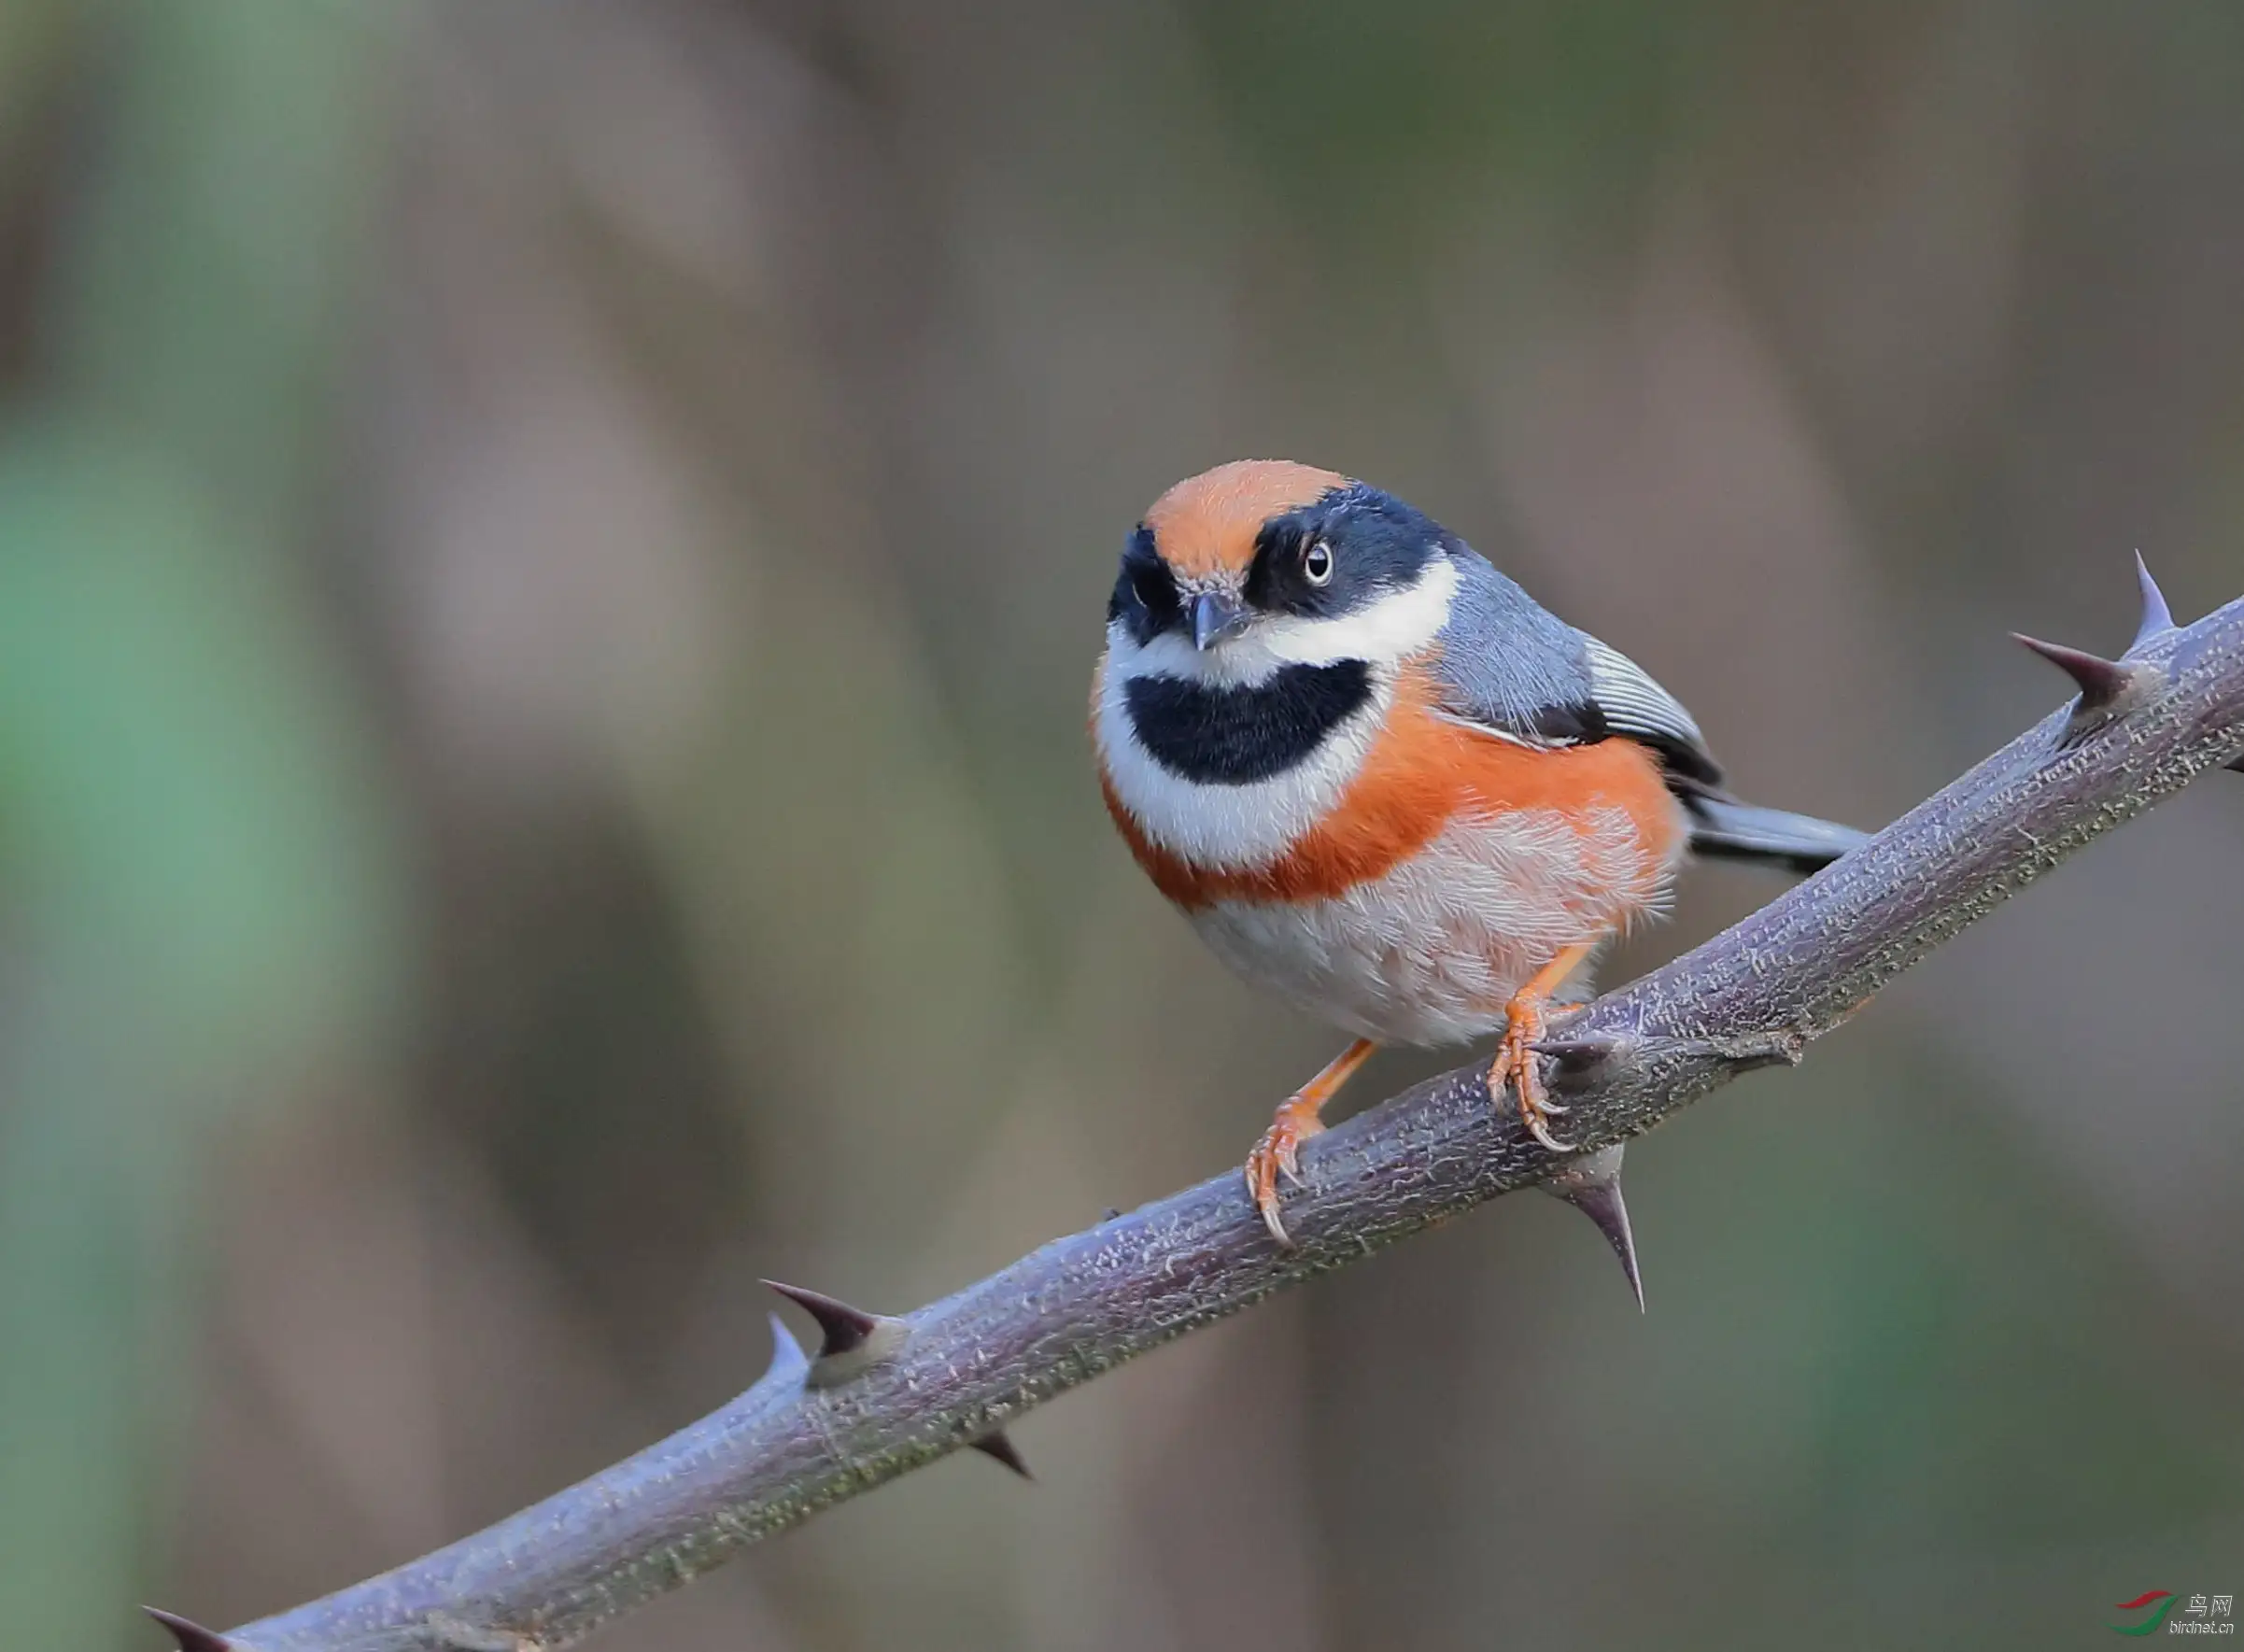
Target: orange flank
[1423,771]
[1207,524]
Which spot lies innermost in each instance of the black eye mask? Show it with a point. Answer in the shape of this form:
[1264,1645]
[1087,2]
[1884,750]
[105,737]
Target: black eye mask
[1145,595]
[1377,544]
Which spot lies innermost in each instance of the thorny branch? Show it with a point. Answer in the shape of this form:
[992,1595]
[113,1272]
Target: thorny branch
[885,1395]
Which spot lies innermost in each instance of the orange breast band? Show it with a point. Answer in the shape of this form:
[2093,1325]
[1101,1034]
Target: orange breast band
[1424,772]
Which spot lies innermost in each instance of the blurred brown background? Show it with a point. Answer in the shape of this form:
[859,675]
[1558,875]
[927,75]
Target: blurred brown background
[549,558]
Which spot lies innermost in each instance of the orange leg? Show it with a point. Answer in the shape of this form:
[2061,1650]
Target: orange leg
[1516,1057]
[1278,1151]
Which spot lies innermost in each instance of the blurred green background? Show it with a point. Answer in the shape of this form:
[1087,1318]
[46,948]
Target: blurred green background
[549,559]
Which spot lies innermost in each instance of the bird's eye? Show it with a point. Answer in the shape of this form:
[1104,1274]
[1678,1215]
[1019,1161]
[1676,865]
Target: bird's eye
[1317,563]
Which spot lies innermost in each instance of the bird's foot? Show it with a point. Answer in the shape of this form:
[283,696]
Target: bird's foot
[1278,1153]
[1525,1019]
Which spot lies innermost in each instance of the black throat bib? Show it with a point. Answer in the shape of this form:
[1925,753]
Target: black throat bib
[1236,736]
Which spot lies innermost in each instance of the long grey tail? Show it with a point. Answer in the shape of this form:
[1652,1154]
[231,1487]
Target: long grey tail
[1726,830]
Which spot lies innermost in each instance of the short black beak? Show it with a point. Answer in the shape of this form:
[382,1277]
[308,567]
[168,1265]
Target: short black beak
[1216,617]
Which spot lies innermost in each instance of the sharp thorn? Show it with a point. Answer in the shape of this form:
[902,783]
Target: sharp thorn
[852,1338]
[999,1445]
[2101,681]
[2158,618]
[1581,1050]
[1600,1167]
[1605,1207]
[844,1327]
[191,1636]
[1592,1186]
[2238,766]
[787,1357]
[1578,1056]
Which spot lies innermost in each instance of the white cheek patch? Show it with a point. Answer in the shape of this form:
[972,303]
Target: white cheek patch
[1385,632]
[1232,828]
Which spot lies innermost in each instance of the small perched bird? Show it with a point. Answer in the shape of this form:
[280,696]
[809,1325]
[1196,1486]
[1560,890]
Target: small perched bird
[1384,782]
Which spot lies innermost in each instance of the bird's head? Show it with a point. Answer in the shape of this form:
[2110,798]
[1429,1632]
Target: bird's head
[1242,571]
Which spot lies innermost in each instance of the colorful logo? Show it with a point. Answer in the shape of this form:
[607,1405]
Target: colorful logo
[2162,1599]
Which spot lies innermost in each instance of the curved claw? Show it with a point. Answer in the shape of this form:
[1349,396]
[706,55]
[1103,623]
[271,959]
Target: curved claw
[1275,1158]
[1262,1187]
[1551,1143]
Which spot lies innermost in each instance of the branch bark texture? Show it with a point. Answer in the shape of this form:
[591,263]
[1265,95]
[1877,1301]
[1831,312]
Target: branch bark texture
[809,1434]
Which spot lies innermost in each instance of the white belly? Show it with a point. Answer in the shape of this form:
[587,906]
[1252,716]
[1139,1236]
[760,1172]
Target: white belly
[1430,952]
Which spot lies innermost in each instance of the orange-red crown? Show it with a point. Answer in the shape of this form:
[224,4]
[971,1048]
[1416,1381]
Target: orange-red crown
[1207,524]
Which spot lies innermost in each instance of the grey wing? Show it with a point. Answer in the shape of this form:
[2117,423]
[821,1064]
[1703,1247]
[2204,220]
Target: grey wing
[1637,706]
[1512,666]
[1509,666]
